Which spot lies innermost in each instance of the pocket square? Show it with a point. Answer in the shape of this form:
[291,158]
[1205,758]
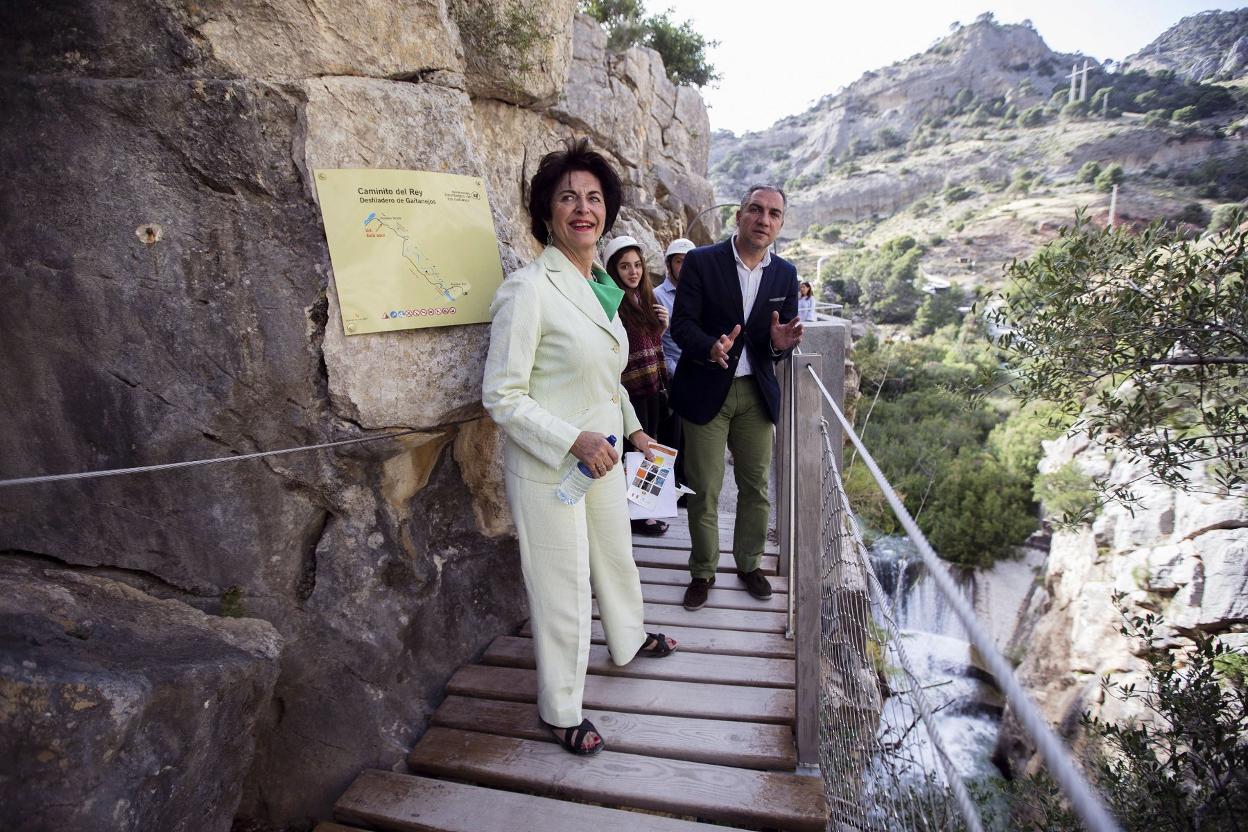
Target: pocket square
[773,300]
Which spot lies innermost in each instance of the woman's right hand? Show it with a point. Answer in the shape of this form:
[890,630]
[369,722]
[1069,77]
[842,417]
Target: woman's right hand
[597,454]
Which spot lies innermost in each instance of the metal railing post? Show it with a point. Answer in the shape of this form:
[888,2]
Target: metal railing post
[804,583]
[783,471]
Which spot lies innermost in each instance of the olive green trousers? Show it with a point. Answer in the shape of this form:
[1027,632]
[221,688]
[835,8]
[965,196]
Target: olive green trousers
[744,427]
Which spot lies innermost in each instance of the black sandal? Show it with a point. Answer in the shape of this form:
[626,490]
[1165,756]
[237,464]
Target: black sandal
[573,738]
[660,649]
[649,528]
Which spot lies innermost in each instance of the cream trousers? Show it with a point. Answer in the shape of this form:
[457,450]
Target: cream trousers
[567,553]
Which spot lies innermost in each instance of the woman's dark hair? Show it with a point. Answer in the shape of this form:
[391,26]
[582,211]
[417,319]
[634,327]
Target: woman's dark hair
[637,310]
[576,155]
[806,285]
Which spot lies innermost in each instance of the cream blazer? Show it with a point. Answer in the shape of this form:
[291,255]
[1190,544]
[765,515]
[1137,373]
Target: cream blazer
[553,368]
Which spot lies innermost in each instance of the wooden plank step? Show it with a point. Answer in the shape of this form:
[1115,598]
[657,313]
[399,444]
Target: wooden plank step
[680,577]
[730,795]
[709,618]
[646,696]
[706,640]
[679,559]
[740,744]
[510,651]
[677,537]
[725,598]
[327,826]
[392,801]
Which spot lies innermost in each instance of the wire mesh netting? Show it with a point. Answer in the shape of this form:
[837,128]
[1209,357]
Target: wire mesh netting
[883,763]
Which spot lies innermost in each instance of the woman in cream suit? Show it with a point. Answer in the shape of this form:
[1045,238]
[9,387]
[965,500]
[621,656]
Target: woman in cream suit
[552,383]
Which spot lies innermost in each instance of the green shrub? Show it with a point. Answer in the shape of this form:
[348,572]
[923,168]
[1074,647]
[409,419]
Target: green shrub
[1089,172]
[1157,118]
[1074,110]
[501,34]
[1100,100]
[1031,117]
[939,309]
[1023,180]
[887,277]
[684,51]
[1109,177]
[887,138]
[979,512]
[1186,114]
[957,193]
[1193,214]
[1067,494]
[1227,215]
[1016,441]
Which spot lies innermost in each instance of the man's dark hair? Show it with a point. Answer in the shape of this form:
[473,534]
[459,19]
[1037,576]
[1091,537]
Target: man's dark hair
[745,200]
[576,155]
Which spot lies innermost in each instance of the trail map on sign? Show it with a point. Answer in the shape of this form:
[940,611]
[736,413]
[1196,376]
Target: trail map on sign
[410,249]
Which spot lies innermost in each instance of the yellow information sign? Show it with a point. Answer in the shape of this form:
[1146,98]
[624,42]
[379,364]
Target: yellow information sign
[410,249]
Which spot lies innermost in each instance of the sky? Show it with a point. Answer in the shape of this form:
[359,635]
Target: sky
[777,57]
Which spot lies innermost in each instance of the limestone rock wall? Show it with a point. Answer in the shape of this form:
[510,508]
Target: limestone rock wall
[121,711]
[1183,555]
[383,566]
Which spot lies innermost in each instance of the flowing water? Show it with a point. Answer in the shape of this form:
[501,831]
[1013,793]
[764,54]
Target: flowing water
[967,704]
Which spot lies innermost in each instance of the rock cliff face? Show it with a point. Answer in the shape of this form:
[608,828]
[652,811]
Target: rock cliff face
[383,566]
[1210,46]
[1183,555]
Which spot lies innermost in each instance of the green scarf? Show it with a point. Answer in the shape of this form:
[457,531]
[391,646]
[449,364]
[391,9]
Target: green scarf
[609,295]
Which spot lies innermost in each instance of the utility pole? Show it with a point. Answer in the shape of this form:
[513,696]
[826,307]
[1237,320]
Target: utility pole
[1074,76]
[1083,84]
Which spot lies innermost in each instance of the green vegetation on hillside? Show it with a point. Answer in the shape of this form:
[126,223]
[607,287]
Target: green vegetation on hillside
[683,49]
[884,280]
[970,495]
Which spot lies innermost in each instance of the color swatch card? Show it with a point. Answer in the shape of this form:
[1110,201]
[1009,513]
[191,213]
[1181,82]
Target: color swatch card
[651,476]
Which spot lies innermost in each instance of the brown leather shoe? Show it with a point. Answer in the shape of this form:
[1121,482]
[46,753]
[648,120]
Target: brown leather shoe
[695,595]
[756,582]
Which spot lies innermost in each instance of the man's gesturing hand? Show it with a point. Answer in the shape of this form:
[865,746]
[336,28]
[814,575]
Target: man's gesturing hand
[721,348]
[785,336]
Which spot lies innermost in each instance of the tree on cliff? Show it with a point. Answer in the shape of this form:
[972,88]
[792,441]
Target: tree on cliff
[682,48]
[1143,339]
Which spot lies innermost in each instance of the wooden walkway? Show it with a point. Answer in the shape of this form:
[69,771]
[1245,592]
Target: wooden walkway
[699,740]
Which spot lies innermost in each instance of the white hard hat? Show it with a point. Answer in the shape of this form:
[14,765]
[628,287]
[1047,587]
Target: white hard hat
[679,246]
[619,244]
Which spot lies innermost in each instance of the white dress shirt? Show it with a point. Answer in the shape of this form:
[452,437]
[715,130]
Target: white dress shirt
[750,280]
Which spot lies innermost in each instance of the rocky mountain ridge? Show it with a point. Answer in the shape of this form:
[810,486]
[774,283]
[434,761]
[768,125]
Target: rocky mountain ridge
[972,148]
[1210,46]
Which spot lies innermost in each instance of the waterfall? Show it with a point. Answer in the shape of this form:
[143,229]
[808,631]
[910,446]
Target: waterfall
[967,704]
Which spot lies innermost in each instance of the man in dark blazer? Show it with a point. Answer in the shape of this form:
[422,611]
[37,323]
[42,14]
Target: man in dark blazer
[735,316]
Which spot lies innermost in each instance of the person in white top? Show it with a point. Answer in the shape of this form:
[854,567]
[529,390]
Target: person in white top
[806,301]
[665,294]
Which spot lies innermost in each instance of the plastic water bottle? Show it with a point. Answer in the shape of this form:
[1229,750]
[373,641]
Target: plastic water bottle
[577,481]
